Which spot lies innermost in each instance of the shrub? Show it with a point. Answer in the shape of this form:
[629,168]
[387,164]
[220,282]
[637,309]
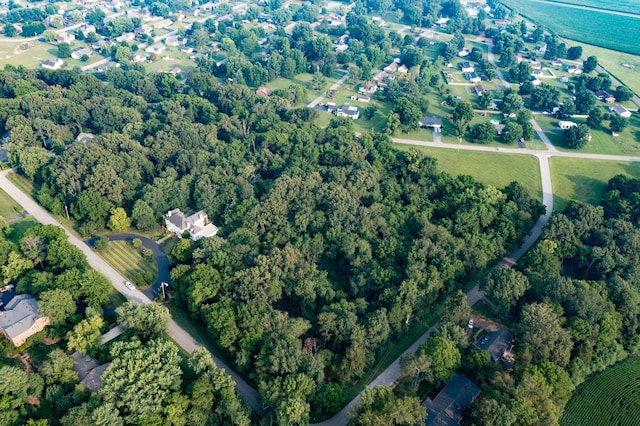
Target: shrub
[102,243]
[136,243]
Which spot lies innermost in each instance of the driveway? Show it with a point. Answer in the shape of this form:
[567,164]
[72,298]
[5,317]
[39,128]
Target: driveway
[160,256]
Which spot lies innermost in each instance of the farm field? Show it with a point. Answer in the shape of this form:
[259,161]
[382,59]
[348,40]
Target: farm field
[611,397]
[497,169]
[629,6]
[584,180]
[128,262]
[622,31]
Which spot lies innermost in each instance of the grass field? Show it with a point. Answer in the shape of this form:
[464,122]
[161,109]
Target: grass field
[8,207]
[497,169]
[602,142]
[611,397]
[623,66]
[622,32]
[585,180]
[128,261]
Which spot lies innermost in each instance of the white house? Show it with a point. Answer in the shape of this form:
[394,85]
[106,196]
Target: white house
[474,78]
[566,124]
[467,67]
[79,53]
[463,53]
[65,37]
[197,224]
[52,64]
[620,110]
[348,111]
[157,49]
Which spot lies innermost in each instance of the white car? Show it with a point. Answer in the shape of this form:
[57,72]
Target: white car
[470,323]
[129,285]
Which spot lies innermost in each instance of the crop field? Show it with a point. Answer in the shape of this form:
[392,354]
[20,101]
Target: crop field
[629,6]
[128,261]
[622,32]
[585,180]
[611,397]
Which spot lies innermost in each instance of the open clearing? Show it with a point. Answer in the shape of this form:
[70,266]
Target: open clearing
[611,397]
[583,25]
[623,66]
[585,180]
[128,261]
[499,169]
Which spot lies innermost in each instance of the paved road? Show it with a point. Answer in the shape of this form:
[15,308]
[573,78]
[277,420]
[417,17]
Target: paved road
[177,333]
[334,86]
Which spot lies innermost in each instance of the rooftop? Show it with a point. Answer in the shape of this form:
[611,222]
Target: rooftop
[447,408]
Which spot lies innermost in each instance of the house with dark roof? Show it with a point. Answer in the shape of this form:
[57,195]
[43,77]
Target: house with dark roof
[433,122]
[499,344]
[620,110]
[467,67]
[604,96]
[449,406]
[197,224]
[20,319]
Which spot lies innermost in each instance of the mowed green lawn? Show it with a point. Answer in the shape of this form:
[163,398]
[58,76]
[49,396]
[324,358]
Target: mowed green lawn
[128,261]
[8,207]
[608,398]
[624,66]
[497,169]
[585,180]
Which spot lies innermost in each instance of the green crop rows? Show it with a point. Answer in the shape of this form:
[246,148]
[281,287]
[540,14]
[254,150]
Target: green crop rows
[598,28]
[629,6]
[611,397]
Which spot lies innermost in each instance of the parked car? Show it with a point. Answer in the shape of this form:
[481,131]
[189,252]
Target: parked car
[129,285]
[470,323]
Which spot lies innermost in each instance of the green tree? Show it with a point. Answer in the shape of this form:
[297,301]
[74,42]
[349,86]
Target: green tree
[49,35]
[618,123]
[56,304]
[64,50]
[122,54]
[393,124]
[15,267]
[143,216]
[85,336]
[445,357]
[318,81]
[148,320]
[461,116]
[512,103]
[577,136]
[379,406]
[589,64]
[141,377]
[119,221]
[483,132]
[505,287]
[574,52]
[408,112]
[594,119]
[543,336]
[511,133]
[58,368]
[10,30]
[623,94]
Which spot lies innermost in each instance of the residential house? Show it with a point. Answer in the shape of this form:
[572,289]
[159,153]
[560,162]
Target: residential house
[264,91]
[175,41]
[20,319]
[564,125]
[534,80]
[391,68]
[175,71]
[564,79]
[473,77]
[402,69]
[467,67]
[64,37]
[126,37]
[368,88]
[197,224]
[620,110]
[136,57]
[557,64]
[85,137]
[499,128]
[499,344]
[432,122]
[442,22]
[479,89]
[463,53]
[449,406]
[52,64]
[187,49]
[348,111]
[104,67]
[342,48]
[382,76]
[79,53]
[575,70]
[163,23]
[541,49]
[156,48]
[605,96]
[87,28]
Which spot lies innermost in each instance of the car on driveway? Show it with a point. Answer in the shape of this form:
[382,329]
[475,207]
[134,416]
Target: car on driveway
[129,285]
[470,323]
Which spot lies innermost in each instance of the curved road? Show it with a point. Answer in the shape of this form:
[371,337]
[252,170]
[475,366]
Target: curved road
[159,255]
[177,333]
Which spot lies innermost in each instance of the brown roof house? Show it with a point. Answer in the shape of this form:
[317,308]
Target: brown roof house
[21,319]
[197,224]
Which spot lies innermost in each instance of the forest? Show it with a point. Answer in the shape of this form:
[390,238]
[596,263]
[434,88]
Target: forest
[330,244]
